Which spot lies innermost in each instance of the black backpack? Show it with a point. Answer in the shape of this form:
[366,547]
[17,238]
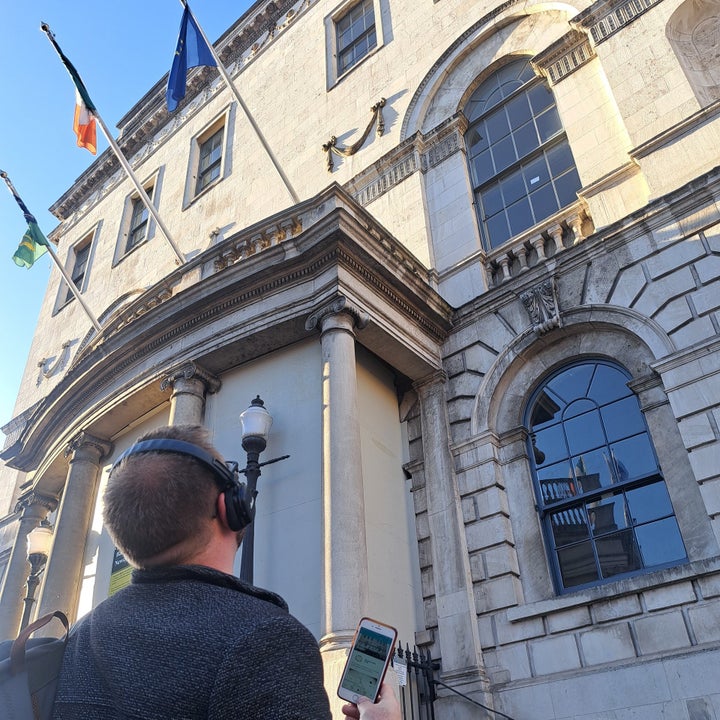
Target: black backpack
[29,671]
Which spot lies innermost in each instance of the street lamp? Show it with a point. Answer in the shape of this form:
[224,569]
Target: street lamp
[38,548]
[255,423]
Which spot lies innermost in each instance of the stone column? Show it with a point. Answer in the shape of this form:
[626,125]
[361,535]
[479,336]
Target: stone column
[457,618]
[64,571]
[35,508]
[190,383]
[345,567]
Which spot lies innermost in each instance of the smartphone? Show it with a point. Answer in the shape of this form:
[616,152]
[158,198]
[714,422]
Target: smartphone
[370,654]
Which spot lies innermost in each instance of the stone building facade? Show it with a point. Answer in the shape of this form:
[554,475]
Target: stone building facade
[482,308]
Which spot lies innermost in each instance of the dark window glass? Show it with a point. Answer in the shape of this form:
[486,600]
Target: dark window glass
[601,496]
[138,222]
[520,216]
[492,201]
[356,35]
[513,120]
[210,160]
[82,255]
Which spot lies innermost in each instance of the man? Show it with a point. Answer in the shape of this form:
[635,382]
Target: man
[187,639]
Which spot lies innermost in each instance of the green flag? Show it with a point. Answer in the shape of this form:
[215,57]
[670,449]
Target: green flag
[32,246]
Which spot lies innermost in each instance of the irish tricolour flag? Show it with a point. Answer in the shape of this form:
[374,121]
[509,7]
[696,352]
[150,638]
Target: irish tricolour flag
[84,122]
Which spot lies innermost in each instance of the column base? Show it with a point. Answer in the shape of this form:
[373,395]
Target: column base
[334,649]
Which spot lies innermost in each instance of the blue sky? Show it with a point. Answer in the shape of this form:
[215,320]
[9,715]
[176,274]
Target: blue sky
[121,50]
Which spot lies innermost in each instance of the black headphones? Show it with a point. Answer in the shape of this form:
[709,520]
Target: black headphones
[240,510]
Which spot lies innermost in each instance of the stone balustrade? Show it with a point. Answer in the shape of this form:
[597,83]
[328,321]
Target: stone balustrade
[546,239]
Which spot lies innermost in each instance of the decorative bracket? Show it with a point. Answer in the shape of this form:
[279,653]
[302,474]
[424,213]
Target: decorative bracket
[330,146]
[542,305]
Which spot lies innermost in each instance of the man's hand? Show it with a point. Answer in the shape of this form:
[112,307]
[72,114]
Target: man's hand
[386,708]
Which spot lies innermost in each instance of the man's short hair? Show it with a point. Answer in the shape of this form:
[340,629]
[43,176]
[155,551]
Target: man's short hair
[155,502]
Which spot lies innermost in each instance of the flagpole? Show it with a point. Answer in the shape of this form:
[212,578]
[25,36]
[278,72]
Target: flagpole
[71,284]
[247,112]
[125,164]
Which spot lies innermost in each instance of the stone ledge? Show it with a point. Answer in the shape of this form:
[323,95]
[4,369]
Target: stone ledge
[621,588]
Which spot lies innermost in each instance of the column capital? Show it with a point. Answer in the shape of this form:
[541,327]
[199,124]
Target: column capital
[437,377]
[339,304]
[85,442]
[36,505]
[191,371]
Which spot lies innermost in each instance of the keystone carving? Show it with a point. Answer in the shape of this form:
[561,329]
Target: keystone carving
[542,305]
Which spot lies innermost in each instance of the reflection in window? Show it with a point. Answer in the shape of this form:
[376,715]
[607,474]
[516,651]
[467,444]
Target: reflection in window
[356,35]
[80,262]
[601,495]
[210,162]
[138,222]
[521,164]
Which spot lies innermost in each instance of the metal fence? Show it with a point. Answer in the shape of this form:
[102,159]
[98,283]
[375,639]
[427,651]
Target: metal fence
[417,689]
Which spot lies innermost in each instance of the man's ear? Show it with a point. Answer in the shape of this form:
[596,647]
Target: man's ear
[221,509]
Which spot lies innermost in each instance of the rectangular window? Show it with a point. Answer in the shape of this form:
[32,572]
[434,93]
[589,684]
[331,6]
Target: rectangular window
[138,222]
[355,35]
[80,263]
[210,160]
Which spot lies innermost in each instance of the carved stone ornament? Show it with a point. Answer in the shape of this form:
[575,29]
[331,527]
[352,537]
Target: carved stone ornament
[188,371]
[51,365]
[542,305]
[84,440]
[35,504]
[331,147]
[337,305]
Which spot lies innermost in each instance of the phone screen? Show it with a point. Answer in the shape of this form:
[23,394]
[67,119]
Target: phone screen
[367,662]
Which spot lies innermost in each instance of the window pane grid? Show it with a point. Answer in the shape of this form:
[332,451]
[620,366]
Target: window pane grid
[356,35]
[210,160]
[546,193]
[82,255]
[138,223]
[515,127]
[606,510]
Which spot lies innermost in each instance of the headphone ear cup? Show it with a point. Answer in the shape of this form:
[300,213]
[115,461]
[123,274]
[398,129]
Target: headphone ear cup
[239,513]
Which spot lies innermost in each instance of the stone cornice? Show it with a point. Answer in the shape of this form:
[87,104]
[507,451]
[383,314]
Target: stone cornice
[605,17]
[564,56]
[418,153]
[341,249]
[148,123]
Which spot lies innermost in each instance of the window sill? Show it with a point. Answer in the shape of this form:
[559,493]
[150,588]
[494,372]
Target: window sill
[614,590]
[202,192]
[131,251]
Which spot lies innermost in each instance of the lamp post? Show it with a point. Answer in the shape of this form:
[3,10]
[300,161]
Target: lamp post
[38,540]
[255,423]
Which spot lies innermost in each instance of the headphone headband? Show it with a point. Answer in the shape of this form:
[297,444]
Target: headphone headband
[221,472]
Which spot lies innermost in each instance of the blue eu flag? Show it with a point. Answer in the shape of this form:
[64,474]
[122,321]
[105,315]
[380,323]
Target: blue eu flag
[191,51]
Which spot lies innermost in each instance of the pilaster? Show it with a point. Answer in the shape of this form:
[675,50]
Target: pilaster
[458,635]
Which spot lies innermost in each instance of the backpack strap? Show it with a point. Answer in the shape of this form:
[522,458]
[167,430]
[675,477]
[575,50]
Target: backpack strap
[17,652]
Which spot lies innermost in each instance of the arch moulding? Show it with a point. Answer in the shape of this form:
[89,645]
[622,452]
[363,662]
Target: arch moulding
[614,333]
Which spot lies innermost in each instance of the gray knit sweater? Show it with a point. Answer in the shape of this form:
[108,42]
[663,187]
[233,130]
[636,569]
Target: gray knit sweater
[189,643]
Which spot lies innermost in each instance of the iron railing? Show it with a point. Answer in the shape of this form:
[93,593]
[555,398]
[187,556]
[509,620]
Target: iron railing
[417,686]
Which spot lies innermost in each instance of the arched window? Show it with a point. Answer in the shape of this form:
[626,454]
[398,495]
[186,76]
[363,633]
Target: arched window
[605,510]
[521,165]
